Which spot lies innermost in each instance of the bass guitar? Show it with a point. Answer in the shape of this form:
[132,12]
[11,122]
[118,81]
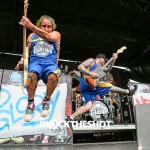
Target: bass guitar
[25,47]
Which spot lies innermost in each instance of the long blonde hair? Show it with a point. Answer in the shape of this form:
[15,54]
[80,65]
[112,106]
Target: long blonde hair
[38,23]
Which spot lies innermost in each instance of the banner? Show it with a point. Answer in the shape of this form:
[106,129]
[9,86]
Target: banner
[142,94]
[13,103]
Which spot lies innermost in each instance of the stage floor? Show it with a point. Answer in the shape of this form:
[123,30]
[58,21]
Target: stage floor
[131,145]
[95,129]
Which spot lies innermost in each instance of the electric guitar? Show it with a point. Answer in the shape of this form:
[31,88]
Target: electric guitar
[94,82]
[25,47]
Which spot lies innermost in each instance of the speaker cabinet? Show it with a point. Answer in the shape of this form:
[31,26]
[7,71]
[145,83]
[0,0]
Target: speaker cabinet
[127,110]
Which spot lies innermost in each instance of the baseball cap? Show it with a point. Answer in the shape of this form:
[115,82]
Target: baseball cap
[101,56]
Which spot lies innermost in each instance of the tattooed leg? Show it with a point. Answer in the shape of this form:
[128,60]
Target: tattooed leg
[82,110]
[32,87]
[119,90]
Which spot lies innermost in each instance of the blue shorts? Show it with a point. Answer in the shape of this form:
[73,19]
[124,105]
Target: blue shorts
[42,69]
[89,94]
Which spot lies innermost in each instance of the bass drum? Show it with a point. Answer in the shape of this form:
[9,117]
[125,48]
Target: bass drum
[99,111]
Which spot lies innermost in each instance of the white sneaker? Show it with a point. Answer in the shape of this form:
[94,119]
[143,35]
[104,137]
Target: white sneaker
[45,109]
[28,116]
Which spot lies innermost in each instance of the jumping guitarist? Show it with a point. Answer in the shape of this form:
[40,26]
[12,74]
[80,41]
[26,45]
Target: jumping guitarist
[44,48]
[95,69]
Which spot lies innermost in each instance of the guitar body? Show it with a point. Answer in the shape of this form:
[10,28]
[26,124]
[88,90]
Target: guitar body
[94,82]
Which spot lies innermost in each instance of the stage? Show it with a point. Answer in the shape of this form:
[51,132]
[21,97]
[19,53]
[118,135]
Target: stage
[110,128]
[15,132]
[128,145]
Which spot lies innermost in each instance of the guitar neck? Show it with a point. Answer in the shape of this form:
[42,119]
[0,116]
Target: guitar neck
[110,60]
[107,63]
[24,40]
[24,31]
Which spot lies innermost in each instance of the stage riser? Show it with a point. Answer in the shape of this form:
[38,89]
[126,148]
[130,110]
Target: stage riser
[13,101]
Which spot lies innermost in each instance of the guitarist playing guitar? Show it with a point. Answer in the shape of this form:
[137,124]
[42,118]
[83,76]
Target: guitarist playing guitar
[91,84]
[100,71]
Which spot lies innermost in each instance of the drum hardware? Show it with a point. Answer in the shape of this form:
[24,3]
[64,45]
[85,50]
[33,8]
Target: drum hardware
[75,106]
[106,99]
[111,113]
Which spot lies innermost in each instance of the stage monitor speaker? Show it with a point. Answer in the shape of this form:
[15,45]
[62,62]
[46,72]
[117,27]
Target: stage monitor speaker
[143,125]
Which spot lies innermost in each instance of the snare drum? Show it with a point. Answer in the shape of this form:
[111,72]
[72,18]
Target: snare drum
[99,111]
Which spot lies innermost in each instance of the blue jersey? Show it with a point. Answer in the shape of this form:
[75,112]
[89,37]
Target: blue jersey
[43,49]
[43,59]
[89,93]
[83,85]
[93,67]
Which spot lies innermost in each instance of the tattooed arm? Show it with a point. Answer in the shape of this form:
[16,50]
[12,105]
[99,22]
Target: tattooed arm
[84,65]
[110,66]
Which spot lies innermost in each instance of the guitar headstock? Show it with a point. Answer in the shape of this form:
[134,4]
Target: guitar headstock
[121,49]
[26,4]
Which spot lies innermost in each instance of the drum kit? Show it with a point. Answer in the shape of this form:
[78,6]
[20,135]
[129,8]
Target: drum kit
[102,110]
[99,111]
